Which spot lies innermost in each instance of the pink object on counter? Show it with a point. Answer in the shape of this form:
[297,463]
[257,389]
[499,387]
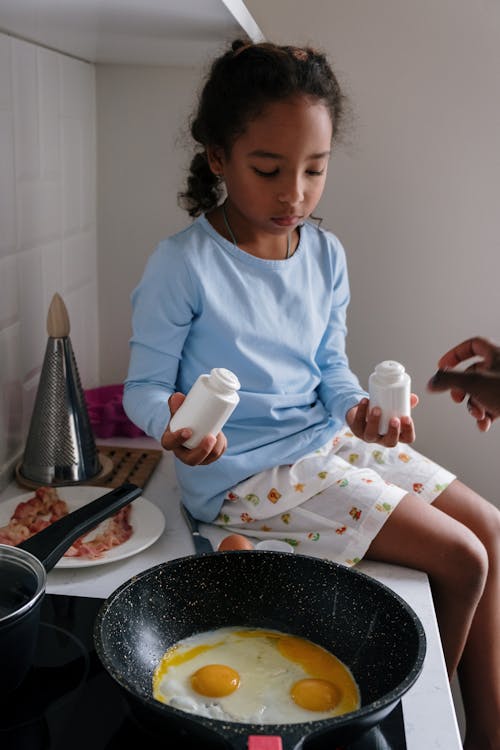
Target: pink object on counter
[106,413]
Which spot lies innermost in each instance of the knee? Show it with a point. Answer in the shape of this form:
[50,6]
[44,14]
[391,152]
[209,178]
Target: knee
[486,526]
[467,563]
[491,534]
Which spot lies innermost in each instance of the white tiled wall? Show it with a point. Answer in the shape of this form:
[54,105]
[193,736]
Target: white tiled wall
[47,223]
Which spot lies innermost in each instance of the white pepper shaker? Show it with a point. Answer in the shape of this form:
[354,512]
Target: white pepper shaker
[208,405]
[390,387]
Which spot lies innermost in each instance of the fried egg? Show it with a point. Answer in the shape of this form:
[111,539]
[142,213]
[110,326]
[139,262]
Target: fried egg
[254,676]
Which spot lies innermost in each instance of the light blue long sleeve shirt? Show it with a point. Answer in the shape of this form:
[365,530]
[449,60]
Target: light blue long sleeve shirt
[279,325]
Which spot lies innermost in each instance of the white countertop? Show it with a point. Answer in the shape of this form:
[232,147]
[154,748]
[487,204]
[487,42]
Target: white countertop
[429,715]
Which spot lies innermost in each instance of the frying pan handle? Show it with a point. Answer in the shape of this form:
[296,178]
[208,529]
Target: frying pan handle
[50,544]
[292,740]
[264,742]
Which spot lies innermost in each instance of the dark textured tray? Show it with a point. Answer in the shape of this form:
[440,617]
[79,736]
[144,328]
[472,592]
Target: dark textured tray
[134,465]
[119,465]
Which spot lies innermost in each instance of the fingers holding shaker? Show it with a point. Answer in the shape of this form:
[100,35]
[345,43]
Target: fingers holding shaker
[208,405]
[390,389]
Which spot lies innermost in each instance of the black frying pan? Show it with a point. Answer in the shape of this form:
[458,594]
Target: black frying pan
[365,624]
[23,577]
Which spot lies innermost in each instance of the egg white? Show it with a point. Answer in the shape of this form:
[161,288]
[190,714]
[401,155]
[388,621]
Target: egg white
[266,677]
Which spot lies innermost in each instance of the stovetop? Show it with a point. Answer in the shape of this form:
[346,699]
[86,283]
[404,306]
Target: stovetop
[69,702]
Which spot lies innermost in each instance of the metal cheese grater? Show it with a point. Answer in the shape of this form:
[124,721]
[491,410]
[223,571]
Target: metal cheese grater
[60,448]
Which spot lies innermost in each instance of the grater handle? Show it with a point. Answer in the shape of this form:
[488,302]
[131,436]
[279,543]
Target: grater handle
[57,318]
[50,544]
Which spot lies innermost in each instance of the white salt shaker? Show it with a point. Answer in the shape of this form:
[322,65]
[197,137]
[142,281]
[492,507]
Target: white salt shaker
[208,405]
[389,386]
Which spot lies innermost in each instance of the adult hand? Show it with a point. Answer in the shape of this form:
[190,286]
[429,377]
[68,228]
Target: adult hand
[209,449]
[480,381]
[364,423]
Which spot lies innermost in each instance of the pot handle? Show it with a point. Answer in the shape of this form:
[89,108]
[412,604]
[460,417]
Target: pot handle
[50,544]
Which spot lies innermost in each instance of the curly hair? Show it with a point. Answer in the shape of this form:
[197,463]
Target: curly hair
[239,85]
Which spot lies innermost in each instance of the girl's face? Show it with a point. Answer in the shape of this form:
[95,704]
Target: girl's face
[276,171]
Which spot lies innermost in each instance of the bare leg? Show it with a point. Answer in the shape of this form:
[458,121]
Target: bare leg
[430,538]
[421,536]
[479,669]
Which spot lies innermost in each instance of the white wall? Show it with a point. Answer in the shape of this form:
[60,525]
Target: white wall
[413,195]
[142,121]
[47,223]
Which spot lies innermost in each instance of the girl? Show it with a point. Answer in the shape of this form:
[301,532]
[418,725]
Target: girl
[251,285]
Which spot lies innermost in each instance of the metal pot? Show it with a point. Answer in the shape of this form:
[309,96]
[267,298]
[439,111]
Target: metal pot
[364,623]
[23,578]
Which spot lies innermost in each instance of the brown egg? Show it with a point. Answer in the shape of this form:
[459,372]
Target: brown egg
[235,541]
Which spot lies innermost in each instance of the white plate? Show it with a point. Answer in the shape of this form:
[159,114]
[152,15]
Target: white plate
[146,519]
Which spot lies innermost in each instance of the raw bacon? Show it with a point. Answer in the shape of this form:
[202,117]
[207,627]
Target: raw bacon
[14,533]
[45,507]
[116,530]
[33,515]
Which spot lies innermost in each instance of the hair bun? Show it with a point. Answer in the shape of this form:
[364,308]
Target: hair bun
[238,44]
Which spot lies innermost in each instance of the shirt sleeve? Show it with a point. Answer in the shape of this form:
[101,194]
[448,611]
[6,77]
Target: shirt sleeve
[339,389]
[162,311]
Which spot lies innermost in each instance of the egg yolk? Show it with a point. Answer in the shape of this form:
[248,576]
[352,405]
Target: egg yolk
[215,680]
[315,695]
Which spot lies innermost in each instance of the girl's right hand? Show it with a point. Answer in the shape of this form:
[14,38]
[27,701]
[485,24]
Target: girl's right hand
[207,451]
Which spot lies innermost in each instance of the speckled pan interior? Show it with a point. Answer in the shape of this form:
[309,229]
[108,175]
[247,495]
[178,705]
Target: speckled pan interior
[364,623]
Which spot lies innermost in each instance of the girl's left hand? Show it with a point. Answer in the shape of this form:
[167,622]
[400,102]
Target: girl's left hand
[364,424]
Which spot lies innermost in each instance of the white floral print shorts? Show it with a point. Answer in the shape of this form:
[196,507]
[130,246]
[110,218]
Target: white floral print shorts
[332,502]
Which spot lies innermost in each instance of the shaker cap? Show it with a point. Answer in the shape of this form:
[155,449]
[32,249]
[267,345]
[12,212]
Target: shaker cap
[389,371]
[224,379]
